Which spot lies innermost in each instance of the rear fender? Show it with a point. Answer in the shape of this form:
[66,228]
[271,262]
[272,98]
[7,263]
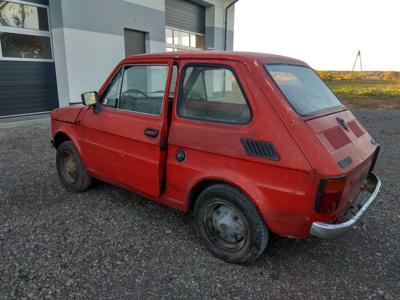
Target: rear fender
[237,180]
[284,210]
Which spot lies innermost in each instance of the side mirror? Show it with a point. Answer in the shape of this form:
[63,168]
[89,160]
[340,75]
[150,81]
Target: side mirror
[91,99]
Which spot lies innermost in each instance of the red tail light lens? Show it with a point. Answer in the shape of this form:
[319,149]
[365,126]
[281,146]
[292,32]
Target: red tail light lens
[329,194]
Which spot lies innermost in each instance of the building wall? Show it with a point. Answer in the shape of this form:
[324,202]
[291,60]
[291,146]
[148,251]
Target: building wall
[215,24]
[88,37]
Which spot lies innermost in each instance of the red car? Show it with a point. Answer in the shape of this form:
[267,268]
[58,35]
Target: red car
[250,143]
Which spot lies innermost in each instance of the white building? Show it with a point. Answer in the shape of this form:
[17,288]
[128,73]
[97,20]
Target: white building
[53,50]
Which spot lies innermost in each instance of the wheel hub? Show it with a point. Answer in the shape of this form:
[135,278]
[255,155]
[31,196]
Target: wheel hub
[228,224]
[70,167]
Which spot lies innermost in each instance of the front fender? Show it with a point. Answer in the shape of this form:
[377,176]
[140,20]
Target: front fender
[73,131]
[67,114]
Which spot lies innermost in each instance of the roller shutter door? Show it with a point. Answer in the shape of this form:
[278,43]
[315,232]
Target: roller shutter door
[185,15]
[27,87]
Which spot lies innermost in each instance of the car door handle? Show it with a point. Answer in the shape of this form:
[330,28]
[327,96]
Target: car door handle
[151,132]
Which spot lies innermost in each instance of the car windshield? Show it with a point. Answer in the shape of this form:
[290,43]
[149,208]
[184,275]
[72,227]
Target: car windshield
[304,90]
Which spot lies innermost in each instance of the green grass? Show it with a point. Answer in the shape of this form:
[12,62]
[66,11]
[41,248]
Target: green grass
[366,89]
[383,94]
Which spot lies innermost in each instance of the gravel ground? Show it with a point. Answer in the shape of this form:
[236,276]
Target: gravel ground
[109,243]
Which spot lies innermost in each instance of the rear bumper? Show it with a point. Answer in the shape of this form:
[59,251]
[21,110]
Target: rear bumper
[330,231]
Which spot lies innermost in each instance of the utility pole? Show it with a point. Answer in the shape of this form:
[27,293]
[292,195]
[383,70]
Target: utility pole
[354,66]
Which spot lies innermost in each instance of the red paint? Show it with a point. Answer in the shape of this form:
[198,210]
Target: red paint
[67,114]
[114,148]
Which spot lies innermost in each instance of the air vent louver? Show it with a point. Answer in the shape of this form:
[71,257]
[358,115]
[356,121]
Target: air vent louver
[260,149]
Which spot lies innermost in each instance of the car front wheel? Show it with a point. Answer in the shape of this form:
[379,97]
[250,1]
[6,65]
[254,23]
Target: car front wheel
[70,168]
[230,225]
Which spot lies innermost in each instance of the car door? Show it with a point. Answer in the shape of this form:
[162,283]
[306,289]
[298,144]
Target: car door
[124,142]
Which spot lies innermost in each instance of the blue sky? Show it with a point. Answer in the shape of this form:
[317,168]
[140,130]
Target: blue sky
[326,34]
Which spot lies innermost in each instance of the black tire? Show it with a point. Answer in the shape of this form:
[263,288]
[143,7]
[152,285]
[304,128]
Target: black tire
[70,168]
[230,225]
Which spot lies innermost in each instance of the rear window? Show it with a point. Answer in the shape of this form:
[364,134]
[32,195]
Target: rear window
[304,90]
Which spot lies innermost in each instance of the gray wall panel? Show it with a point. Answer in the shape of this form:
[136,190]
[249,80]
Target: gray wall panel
[111,17]
[27,87]
[186,15]
[215,38]
[56,18]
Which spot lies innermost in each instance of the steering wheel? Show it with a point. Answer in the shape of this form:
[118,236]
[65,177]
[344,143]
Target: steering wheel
[127,92]
[128,101]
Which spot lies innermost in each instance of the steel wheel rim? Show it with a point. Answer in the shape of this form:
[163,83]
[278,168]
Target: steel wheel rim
[69,166]
[225,226]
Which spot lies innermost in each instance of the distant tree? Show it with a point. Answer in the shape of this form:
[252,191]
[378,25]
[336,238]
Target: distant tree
[325,75]
[391,75]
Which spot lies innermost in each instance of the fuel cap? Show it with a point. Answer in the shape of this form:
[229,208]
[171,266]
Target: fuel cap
[180,155]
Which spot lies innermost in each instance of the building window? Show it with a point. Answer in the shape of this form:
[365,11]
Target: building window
[179,40]
[25,46]
[24,31]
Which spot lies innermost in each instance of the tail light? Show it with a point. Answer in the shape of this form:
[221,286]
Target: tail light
[329,194]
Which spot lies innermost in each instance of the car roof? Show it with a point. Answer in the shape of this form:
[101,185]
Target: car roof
[220,55]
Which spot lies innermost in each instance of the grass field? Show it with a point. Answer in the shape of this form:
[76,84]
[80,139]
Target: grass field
[373,92]
[383,94]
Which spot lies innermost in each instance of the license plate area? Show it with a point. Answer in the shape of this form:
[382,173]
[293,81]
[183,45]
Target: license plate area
[361,197]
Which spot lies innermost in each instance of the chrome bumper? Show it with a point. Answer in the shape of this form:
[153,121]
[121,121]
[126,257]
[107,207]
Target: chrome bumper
[330,231]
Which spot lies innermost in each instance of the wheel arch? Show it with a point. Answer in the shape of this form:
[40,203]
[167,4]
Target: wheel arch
[59,138]
[67,133]
[251,192]
[200,186]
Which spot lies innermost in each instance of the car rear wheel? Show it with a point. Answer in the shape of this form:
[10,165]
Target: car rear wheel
[70,168]
[230,225]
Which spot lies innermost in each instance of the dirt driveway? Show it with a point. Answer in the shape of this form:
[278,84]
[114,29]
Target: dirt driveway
[110,244]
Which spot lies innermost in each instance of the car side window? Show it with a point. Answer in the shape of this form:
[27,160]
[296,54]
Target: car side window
[143,88]
[111,95]
[212,93]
